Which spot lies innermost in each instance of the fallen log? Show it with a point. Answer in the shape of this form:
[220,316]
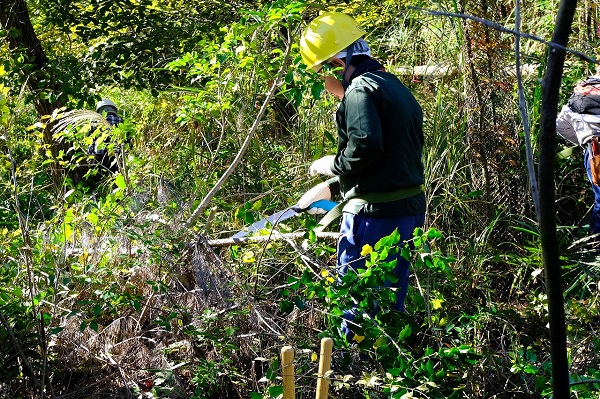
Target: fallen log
[447,70]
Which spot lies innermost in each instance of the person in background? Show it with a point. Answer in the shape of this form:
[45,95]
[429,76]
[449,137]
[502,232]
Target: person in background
[377,168]
[106,162]
[579,123]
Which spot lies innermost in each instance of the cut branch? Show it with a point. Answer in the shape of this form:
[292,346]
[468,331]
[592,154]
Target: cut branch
[225,242]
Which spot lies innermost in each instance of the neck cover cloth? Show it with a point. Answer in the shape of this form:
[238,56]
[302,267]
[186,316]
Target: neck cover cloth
[586,103]
[356,48]
[369,65]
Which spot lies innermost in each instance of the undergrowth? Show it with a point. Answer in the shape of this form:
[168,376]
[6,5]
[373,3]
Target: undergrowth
[103,292]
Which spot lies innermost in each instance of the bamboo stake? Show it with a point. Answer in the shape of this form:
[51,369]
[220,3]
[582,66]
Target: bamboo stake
[324,367]
[287,372]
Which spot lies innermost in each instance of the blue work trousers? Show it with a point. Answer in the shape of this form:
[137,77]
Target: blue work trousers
[595,218]
[359,230]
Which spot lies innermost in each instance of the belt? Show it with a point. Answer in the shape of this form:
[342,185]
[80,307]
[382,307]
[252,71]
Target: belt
[370,198]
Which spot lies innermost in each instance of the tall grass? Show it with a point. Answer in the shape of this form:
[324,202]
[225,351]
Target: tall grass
[498,255]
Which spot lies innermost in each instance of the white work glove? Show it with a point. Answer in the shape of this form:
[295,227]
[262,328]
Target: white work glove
[319,192]
[322,166]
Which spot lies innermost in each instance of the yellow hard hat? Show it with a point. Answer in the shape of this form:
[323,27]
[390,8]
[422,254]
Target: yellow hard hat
[327,35]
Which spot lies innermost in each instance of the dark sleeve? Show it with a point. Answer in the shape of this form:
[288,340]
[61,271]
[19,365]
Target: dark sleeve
[334,186]
[363,130]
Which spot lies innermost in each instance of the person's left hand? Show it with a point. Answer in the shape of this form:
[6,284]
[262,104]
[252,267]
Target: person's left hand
[319,192]
[322,166]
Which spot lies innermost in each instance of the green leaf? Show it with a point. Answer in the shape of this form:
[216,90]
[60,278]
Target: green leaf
[566,153]
[405,333]
[394,372]
[286,306]
[300,303]
[92,218]
[429,367]
[294,281]
[330,137]
[529,369]
[120,181]
[275,391]
[249,218]
[97,310]
[434,233]
[387,242]
[406,252]
[56,330]
[257,205]
[316,89]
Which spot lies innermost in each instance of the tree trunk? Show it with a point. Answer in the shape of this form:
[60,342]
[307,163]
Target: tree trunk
[14,17]
[547,195]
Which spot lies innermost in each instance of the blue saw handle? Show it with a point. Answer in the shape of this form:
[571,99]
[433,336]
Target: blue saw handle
[323,204]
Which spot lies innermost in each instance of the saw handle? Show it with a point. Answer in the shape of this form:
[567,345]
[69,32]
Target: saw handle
[323,204]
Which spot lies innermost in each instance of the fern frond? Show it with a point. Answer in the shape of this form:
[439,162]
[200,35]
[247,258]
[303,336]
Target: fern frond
[79,117]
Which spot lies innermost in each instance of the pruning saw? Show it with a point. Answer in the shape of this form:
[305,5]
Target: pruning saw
[283,215]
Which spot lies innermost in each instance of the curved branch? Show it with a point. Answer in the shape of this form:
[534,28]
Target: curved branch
[238,158]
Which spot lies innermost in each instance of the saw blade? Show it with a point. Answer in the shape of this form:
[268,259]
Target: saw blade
[272,220]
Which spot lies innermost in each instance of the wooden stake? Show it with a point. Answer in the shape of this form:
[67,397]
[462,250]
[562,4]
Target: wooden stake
[287,372]
[324,367]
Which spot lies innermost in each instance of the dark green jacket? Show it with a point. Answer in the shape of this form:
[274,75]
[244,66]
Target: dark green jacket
[380,143]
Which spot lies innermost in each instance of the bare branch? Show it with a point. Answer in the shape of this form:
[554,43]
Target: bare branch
[238,158]
[524,116]
[21,354]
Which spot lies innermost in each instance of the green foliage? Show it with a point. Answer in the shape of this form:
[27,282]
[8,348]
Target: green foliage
[388,334]
[101,279]
[4,110]
[123,49]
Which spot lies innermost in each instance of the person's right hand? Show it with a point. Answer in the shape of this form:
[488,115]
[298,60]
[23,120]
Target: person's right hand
[319,192]
[322,166]
[314,210]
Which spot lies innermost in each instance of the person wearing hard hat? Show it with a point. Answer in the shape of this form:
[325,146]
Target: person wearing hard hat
[108,106]
[377,168]
[109,110]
